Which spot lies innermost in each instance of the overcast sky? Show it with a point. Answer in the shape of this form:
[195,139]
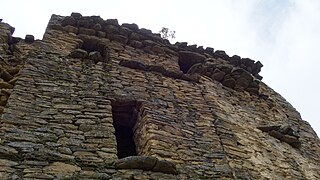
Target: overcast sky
[283,34]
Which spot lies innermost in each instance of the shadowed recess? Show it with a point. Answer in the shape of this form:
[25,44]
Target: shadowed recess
[124,119]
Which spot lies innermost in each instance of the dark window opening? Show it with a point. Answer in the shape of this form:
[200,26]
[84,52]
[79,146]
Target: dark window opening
[96,51]
[124,119]
[186,63]
[188,59]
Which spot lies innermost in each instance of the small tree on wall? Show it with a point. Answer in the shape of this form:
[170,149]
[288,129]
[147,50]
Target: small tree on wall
[167,34]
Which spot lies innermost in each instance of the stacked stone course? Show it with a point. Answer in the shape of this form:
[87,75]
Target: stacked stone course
[200,115]
[96,33]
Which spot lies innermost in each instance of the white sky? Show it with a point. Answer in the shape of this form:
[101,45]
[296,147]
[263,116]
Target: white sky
[283,34]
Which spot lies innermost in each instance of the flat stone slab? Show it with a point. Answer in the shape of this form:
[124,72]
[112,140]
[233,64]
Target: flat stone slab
[146,163]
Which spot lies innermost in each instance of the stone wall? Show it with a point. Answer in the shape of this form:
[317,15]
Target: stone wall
[11,63]
[214,119]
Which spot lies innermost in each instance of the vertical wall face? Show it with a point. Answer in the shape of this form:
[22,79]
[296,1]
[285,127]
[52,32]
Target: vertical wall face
[73,114]
[11,62]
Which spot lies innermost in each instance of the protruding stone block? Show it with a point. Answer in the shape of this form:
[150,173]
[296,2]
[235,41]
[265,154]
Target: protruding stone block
[78,53]
[132,26]
[68,20]
[29,38]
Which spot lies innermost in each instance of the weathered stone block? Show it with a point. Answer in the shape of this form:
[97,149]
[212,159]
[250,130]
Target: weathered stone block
[119,38]
[218,75]
[113,22]
[61,168]
[133,26]
[95,56]
[136,44]
[70,29]
[29,38]
[78,53]
[136,162]
[87,31]
[111,29]
[69,20]
[165,167]
[229,82]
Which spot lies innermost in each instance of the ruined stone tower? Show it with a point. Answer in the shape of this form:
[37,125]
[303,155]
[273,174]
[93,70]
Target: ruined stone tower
[97,100]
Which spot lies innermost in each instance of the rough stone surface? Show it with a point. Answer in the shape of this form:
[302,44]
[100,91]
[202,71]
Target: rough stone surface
[136,162]
[29,38]
[78,53]
[219,121]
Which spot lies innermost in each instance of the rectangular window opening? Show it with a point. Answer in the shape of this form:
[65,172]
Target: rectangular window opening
[125,115]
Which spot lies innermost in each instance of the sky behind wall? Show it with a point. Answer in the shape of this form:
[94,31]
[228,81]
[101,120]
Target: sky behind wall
[283,34]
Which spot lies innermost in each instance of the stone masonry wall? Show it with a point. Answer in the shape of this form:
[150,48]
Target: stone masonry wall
[217,121]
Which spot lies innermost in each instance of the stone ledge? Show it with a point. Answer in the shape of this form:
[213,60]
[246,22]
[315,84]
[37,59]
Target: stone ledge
[284,133]
[160,69]
[146,163]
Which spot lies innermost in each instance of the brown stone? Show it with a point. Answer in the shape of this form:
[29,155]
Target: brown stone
[13,81]
[78,53]
[136,162]
[90,43]
[124,31]
[6,92]
[149,43]
[5,75]
[136,36]
[145,31]
[209,50]
[87,157]
[68,20]
[97,27]
[218,75]
[113,22]
[165,167]
[76,15]
[70,29]
[196,68]
[157,49]
[95,56]
[229,82]
[119,38]
[14,70]
[83,23]
[3,100]
[5,85]
[136,44]
[132,26]
[191,57]
[226,68]
[61,168]
[87,31]
[221,54]
[289,139]
[111,29]
[6,162]
[101,34]
[275,134]
[29,38]
[242,83]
